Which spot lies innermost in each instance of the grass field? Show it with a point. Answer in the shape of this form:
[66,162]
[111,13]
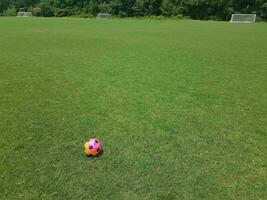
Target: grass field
[181,108]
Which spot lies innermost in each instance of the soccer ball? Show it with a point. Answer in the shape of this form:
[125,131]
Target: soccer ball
[92,147]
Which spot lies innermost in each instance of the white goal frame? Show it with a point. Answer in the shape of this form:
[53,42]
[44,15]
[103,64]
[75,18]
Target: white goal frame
[237,18]
[103,16]
[24,14]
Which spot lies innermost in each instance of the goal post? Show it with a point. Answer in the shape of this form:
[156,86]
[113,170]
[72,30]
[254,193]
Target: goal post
[243,18]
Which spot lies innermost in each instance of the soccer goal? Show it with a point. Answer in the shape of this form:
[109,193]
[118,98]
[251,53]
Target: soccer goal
[243,18]
[103,16]
[24,14]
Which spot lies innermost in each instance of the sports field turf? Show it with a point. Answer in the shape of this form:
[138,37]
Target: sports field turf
[181,108]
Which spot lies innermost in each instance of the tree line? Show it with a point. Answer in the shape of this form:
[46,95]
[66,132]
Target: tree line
[195,9]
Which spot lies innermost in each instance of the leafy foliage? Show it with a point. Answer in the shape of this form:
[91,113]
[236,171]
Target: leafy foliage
[196,9]
[10,11]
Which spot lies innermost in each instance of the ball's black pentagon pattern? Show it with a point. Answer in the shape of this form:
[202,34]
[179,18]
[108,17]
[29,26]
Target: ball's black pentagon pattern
[92,147]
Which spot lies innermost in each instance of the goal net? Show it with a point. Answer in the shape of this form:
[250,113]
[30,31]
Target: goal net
[243,18]
[24,14]
[103,16]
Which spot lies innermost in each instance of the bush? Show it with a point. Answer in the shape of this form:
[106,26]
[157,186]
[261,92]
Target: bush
[178,16]
[160,17]
[36,11]
[74,11]
[105,8]
[87,15]
[264,11]
[11,11]
[61,12]
[214,18]
[259,19]
[46,9]
[122,14]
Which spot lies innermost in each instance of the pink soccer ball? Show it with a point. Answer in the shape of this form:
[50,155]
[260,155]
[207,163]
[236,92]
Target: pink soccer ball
[92,147]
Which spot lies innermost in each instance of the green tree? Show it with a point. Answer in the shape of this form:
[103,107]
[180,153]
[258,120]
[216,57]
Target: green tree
[4,5]
[46,8]
[10,11]
[196,9]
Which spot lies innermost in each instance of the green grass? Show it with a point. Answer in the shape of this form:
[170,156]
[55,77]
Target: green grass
[181,108]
